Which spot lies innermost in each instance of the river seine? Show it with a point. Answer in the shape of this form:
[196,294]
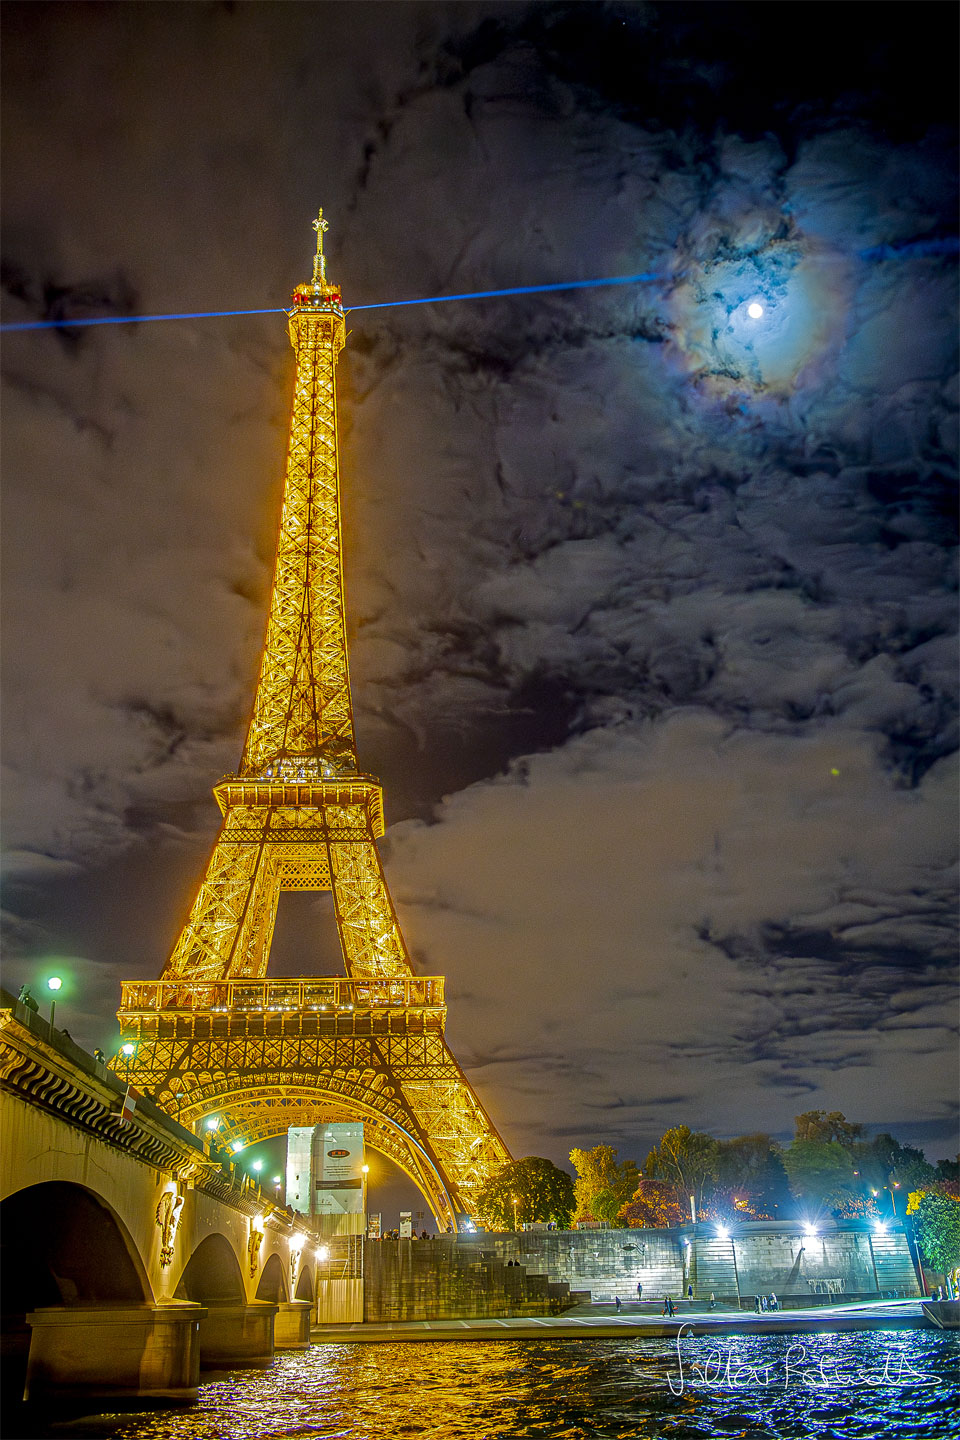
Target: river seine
[859,1386]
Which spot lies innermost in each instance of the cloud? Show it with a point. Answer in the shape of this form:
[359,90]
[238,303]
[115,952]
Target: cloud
[616,912]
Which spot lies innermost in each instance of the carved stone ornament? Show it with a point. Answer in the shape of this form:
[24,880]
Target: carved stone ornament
[168,1218]
[254,1241]
[294,1267]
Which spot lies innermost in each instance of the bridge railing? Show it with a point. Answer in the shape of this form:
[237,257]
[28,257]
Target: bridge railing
[257,997]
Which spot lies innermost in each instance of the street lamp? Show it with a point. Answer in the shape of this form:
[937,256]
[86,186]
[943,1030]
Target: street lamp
[54,985]
[364,1171]
[277,1181]
[514,1199]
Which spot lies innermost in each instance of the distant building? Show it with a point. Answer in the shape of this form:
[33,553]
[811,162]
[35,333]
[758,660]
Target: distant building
[324,1169]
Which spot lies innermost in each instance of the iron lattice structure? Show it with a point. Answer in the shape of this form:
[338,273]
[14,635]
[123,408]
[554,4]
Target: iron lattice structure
[214,1035]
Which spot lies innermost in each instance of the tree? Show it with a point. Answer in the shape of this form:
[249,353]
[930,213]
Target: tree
[949,1170]
[820,1173]
[687,1158]
[883,1162]
[741,1160]
[936,1225]
[750,1178]
[602,1186]
[541,1189]
[655,1205]
[818,1125]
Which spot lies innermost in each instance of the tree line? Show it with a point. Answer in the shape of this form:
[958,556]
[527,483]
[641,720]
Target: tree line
[831,1167]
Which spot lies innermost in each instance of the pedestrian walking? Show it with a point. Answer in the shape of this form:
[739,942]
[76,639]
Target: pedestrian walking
[763,1304]
[639,1291]
[774,1302]
[616,1301]
[689,1292]
[756,1304]
[713,1301]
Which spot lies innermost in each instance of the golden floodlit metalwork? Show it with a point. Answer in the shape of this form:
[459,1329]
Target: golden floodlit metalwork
[214,1036]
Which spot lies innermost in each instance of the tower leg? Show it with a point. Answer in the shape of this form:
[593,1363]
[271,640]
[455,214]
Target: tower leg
[228,933]
[372,944]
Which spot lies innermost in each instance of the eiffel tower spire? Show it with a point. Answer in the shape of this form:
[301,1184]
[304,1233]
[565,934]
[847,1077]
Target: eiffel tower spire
[302,716]
[299,815]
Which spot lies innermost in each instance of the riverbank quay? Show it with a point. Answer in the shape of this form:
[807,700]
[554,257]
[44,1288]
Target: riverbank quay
[601,1322]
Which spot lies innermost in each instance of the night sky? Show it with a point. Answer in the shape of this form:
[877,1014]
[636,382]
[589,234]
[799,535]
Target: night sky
[652,604]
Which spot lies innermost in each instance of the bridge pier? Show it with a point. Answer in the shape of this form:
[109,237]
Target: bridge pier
[238,1336]
[114,1351]
[292,1327]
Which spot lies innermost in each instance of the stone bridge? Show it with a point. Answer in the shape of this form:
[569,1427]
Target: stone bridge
[131,1256]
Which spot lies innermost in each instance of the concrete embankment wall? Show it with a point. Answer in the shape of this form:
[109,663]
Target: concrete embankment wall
[468,1276]
[440,1280]
[604,1262]
[845,1259]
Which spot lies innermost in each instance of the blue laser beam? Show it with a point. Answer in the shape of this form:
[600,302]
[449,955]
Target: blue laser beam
[133,319]
[641,279]
[644,278]
[946,246]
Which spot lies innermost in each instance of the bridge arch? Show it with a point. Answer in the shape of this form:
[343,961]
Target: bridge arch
[273,1281]
[63,1244]
[305,1290]
[60,1244]
[212,1275]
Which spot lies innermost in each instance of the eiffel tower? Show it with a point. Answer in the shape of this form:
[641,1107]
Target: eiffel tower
[214,1036]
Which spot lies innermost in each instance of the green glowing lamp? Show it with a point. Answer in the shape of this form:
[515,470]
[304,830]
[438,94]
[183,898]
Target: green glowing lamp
[54,985]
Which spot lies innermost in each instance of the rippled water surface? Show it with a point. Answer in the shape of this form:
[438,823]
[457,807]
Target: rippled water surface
[869,1384]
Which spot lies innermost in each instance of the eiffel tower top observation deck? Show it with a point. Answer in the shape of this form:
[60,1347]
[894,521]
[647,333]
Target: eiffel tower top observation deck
[214,1034]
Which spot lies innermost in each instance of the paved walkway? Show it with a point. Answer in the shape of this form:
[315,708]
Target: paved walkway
[602,1323]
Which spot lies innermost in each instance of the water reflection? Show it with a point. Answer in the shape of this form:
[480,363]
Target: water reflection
[861,1386]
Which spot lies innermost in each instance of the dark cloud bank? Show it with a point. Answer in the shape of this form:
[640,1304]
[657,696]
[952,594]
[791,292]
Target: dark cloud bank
[653,604]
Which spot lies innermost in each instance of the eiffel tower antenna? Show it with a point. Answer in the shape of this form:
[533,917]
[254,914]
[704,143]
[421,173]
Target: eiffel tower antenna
[319,263]
[214,1036]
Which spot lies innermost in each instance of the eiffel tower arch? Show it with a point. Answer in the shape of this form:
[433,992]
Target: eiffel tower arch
[215,1035]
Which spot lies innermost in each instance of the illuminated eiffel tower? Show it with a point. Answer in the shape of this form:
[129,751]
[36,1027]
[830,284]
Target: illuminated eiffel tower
[214,1035]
